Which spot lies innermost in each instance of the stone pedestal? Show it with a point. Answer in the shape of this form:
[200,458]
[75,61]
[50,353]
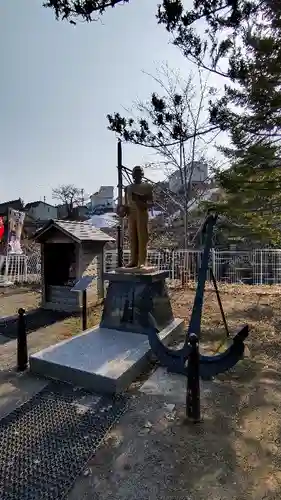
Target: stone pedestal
[137,302]
[108,358]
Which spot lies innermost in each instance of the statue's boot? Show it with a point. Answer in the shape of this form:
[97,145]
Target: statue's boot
[131,265]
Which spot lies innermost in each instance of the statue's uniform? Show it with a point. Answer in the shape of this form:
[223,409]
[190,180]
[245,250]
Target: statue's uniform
[138,221]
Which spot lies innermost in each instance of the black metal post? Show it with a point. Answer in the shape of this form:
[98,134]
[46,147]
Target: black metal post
[84,310]
[22,358]
[219,301]
[193,381]
[196,314]
[119,202]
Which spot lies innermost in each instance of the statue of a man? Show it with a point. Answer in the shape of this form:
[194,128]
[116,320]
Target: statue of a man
[138,199]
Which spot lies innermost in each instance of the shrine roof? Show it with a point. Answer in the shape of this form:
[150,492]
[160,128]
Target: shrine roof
[78,231]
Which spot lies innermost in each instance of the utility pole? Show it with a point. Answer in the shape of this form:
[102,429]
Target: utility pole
[120,201]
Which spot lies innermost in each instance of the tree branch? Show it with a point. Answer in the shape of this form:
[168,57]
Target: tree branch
[69,9]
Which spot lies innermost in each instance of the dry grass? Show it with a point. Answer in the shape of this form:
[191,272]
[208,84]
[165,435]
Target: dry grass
[257,306]
[44,336]
[12,300]
[72,325]
[250,402]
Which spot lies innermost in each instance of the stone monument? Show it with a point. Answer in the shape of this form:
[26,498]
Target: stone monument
[107,358]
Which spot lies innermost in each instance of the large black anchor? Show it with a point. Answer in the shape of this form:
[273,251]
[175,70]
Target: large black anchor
[176,361]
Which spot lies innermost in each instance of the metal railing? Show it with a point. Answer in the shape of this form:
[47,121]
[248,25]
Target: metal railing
[20,268]
[259,267]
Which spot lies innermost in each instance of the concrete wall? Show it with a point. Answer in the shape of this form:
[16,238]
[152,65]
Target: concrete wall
[90,264]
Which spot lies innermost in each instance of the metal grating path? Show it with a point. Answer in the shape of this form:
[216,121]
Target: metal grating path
[46,443]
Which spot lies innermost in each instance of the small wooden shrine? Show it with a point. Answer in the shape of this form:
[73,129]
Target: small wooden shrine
[69,250]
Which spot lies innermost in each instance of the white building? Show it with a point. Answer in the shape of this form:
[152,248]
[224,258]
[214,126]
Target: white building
[199,174]
[102,199]
[41,211]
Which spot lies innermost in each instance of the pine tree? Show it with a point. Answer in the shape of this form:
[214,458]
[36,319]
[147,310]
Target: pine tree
[244,37]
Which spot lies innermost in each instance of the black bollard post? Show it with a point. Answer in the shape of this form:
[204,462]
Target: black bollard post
[84,310]
[22,343]
[193,381]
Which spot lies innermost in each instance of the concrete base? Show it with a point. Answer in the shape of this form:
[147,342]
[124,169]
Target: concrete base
[136,277]
[61,298]
[100,359]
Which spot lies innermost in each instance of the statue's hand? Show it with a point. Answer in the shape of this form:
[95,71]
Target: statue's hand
[122,210]
[141,200]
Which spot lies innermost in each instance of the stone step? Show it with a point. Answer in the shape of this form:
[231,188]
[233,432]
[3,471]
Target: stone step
[100,359]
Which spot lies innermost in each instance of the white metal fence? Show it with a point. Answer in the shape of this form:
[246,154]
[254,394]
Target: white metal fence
[20,268]
[249,267]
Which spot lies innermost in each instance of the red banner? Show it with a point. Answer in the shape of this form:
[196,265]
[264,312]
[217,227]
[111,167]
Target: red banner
[1,228]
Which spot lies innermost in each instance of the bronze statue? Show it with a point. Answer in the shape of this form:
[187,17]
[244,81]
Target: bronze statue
[138,199]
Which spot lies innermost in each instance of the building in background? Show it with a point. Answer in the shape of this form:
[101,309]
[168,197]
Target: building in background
[199,176]
[41,211]
[15,204]
[62,211]
[78,212]
[103,200]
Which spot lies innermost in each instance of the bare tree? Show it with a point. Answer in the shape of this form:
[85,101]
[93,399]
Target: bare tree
[175,125]
[69,195]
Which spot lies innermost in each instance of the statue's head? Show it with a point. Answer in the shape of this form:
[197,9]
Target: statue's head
[137,174]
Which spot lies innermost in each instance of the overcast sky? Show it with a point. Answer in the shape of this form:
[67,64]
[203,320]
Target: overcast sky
[57,84]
